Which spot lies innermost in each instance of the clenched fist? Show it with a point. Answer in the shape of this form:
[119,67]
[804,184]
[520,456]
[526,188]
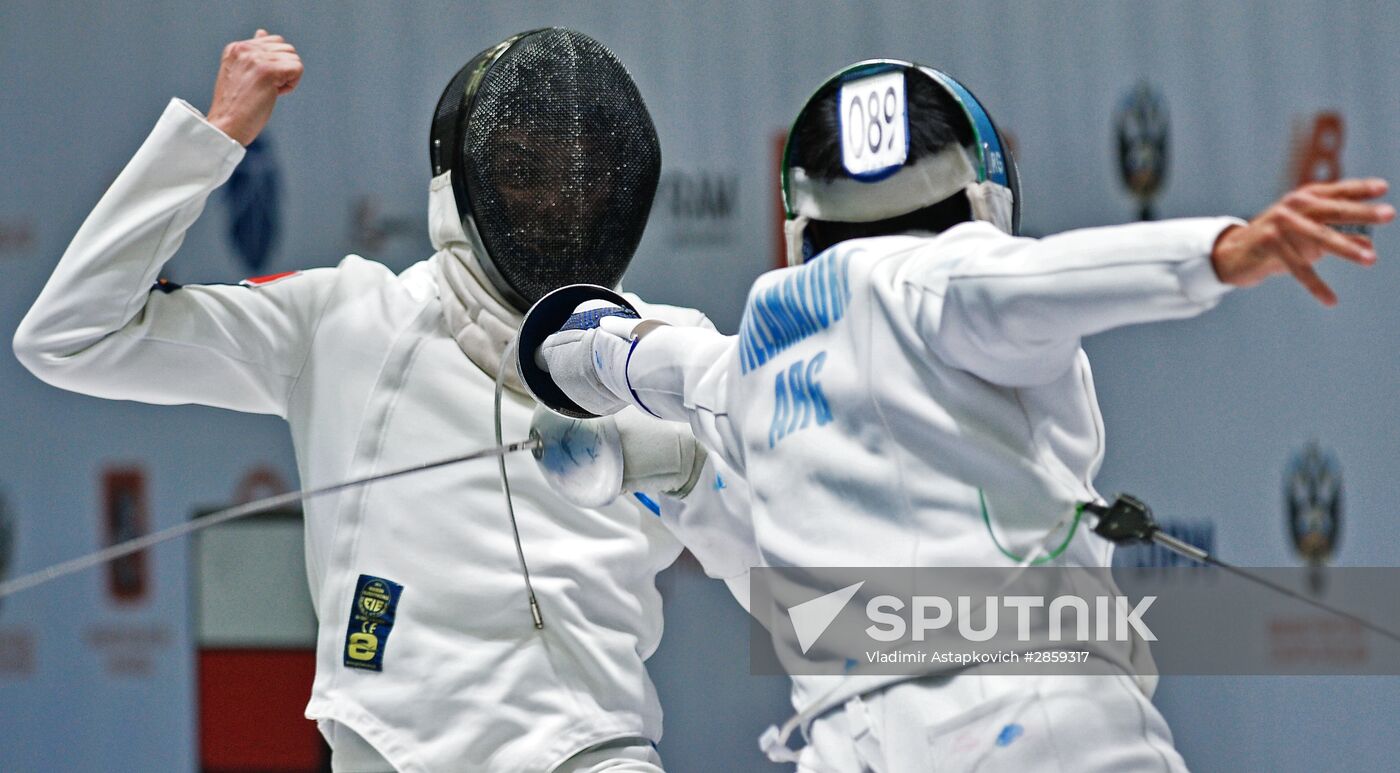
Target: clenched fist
[252,75]
[1296,232]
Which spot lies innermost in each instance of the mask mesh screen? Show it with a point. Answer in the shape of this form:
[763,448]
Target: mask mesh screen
[559,160]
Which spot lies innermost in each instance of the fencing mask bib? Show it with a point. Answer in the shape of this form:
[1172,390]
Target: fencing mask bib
[879,180]
[554,162]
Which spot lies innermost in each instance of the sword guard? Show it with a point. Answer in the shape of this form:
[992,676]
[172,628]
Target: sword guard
[1127,521]
[545,318]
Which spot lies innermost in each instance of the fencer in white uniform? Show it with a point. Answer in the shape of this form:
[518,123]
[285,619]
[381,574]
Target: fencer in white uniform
[427,655]
[914,394]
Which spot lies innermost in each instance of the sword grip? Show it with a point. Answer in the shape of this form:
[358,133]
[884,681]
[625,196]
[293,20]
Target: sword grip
[1126,522]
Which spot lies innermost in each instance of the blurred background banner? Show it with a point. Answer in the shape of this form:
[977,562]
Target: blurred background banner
[1117,109]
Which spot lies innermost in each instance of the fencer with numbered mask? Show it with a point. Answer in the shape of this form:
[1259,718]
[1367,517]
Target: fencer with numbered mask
[431,655]
[911,392]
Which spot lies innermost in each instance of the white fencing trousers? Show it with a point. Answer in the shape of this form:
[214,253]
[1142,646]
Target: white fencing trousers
[626,755]
[1075,724]
[349,752]
[352,754]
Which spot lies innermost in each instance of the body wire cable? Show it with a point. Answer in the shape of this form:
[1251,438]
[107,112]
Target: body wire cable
[1129,521]
[96,558]
[508,360]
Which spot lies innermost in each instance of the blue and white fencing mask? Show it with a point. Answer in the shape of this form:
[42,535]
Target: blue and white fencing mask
[879,179]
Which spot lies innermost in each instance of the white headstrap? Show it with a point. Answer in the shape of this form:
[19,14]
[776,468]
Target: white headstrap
[851,200]
[993,203]
[921,184]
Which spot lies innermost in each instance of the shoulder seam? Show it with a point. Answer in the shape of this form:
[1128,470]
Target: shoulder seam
[311,339]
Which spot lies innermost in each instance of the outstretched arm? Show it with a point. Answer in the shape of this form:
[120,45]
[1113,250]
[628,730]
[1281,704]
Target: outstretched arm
[671,372]
[1295,232]
[1013,311]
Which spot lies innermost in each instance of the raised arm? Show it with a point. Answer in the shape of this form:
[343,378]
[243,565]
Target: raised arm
[100,328]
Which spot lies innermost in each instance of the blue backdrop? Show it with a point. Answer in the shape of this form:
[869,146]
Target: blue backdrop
[1202,415]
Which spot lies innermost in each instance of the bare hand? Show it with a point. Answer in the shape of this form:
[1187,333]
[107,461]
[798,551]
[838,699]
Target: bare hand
[252,75]
[1295,233]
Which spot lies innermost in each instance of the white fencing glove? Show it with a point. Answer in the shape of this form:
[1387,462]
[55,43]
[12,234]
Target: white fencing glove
[658,456]
[588,360]
[590,462]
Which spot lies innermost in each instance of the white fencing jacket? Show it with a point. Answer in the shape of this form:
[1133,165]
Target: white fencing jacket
[363,368]
[876,395]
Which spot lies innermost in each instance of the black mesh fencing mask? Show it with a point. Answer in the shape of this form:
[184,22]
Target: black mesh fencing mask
[554,162]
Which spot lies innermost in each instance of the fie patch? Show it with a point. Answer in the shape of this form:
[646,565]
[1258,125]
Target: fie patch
[371,620]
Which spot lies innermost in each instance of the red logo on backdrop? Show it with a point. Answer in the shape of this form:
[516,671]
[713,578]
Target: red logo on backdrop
[16,644]
[1008,138]
[125,517]
[16,236]
[260,480]
[1317,149]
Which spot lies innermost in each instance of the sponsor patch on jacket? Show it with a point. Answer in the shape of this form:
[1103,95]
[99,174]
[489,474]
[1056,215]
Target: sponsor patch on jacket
[259,281]
[371,620]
